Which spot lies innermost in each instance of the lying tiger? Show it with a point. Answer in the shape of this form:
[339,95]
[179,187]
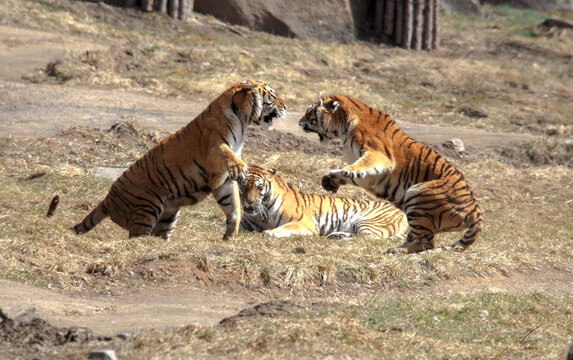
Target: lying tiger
[277,208]
[391,165]
[201,158]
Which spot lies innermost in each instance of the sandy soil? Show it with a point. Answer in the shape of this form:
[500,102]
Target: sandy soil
[37,110]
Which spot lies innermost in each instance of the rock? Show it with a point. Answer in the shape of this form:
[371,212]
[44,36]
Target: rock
[570,353]
[108,173]
[462,6]
[102,355]
[472,112]
[456,144]
[545,5]
[304,19]
[557,22]
[124,335]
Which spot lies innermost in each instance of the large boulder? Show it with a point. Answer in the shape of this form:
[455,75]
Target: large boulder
[545,5]
[325,20]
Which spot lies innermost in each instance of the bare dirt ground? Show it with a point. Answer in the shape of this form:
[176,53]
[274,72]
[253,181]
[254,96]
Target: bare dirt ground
[40,110]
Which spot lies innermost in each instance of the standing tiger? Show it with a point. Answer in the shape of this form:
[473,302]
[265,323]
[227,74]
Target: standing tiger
[201,158]
[391,165]
[272,205]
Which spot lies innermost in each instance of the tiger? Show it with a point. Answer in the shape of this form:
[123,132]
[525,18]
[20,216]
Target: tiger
[391,165]
[277,208]
[201,158]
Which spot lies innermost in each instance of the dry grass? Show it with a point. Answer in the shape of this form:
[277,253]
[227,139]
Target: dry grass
[44,250]
[528,210]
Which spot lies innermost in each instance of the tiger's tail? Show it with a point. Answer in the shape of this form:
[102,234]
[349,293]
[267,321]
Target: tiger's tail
[475,227]
[93,218]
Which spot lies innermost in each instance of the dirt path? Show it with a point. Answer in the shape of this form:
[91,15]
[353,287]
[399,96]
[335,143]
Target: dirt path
[160,308]
[38,110]
[109,315]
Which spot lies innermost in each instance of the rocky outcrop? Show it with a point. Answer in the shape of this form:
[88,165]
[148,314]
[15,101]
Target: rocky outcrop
[304,19]
[545,5]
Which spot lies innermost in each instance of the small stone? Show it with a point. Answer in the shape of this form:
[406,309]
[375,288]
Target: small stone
[102,355]
[456,144]
[124,335]
[472,112]
[107,172]
[570,353]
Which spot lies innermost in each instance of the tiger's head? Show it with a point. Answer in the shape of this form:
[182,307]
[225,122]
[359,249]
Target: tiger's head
[320,118]
[256,102]
[256,189]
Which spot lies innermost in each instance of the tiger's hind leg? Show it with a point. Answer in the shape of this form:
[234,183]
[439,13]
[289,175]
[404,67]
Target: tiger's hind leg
[227,197]
[141,223]
[424,204]
[474,222]
[166,223]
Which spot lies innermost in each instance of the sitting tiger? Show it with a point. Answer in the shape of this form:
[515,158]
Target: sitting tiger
[272,205]
[201,158]
[391,165]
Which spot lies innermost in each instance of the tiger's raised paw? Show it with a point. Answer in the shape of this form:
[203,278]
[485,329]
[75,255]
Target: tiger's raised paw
[332,181]
[237,171]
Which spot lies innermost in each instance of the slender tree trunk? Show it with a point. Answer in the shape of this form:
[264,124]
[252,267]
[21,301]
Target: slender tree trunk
[161,6]
[399,23]
[436,28]
[389,20]
[173,8]
[378,17]
[428,26]
[407,37]
[147,5]
[417,35]
[183,9]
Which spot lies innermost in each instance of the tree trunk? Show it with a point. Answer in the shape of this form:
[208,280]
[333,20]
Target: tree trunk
[436,28]
[399,23]
[184,9]
[407,37]
[428,27]
[173,8]
[161,5]
[417,35]
[378,17]
[147,5]
[389,20]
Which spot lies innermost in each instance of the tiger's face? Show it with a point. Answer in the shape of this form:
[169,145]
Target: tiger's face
[266,103]
[255,189]
[319,119]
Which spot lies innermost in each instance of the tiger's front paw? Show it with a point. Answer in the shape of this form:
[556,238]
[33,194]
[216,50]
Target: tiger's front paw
[237,170]
[332,181]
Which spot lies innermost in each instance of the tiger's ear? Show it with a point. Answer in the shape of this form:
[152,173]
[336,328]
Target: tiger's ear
[332,105]
[272,171]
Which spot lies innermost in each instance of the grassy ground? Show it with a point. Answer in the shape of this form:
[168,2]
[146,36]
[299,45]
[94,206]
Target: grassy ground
[502,65]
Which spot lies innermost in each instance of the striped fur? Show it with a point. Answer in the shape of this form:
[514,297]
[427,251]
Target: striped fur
[272,205]
[201,158]
[391,165]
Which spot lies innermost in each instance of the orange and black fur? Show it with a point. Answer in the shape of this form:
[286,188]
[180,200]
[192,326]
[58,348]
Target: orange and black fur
[277,208]
[391,165]
[201,158]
